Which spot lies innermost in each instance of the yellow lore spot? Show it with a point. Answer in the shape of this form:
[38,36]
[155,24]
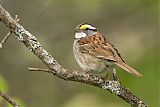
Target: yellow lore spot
[84,27]
[87,26]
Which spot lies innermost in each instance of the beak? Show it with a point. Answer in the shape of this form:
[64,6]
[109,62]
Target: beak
[76,29]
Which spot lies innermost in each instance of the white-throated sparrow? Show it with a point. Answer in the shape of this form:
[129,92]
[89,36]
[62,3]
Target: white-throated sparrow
[94,53]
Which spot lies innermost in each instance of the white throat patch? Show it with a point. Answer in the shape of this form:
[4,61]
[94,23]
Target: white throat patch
[80,35]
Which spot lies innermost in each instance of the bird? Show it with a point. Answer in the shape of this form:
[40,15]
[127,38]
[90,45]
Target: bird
[95,54]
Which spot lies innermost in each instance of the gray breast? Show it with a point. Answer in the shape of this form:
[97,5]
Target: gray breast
[88,62]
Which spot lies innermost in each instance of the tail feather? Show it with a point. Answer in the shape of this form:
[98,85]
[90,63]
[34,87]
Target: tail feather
[128,69]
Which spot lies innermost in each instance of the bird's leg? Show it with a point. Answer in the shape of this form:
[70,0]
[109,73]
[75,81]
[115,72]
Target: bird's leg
[115,78]
[106,76]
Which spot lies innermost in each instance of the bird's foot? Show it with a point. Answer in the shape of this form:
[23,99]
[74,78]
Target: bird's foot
[114,75]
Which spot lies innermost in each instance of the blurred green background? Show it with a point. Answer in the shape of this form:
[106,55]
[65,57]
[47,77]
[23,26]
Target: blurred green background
[131,25]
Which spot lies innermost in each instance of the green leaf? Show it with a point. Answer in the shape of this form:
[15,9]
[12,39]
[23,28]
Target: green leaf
[3,86]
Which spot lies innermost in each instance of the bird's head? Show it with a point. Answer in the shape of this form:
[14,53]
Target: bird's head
[84,29]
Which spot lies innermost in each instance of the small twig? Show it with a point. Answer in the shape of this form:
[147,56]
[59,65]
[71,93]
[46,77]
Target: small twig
[39,69]
[8,34]
[16,18]
[8,99]
[5,38]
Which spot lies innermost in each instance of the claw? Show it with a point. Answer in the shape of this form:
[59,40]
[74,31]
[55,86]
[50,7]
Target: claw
[115,78]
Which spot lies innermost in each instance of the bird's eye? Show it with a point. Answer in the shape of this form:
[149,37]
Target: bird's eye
[87,28]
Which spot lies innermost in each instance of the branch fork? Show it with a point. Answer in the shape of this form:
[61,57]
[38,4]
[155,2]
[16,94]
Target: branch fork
[9,33]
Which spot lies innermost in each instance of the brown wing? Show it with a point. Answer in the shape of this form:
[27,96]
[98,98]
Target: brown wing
[98,46]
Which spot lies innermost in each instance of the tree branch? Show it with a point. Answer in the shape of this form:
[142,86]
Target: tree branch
[34,46]
[8,99]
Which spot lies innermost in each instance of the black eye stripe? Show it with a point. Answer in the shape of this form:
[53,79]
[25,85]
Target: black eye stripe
[94,29]
[88,29]
[91,29]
